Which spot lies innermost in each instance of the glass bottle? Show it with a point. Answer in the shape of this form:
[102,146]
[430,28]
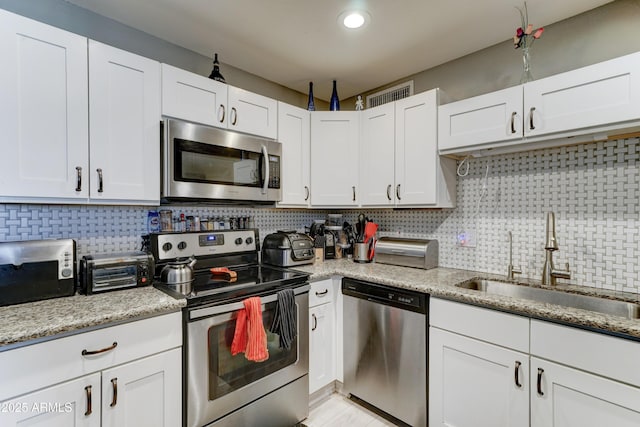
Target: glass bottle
[215,74]
[334,104]
[311,106]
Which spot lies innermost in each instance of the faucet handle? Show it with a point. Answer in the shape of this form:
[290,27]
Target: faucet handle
[512,271]
[566,266]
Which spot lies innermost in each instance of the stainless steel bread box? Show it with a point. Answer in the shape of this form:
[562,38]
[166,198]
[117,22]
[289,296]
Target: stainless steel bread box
[418,253]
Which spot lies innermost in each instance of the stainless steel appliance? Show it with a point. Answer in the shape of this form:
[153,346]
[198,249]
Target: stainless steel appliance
[385,349]
[36,269]
[287,249]
[220,389]
[205,163]
[418,253]
[108,272]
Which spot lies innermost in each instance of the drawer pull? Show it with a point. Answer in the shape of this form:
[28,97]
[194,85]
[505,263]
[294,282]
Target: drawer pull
[315,322]
[87,390]
[114,384]
[323,293]
[539,384]
[86,352]
[517,374]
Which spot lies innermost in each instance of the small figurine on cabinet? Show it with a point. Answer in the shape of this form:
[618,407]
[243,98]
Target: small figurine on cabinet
[359,103]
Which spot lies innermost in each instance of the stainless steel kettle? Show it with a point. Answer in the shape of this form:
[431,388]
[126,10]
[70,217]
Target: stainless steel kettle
[178,273]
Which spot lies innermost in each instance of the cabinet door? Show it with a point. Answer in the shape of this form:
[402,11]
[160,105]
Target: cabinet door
[600,94]
[124,107]
[473,383]
[147,392]
[43,111]
[73,403]
[377,151]
[494,117]
[195,98]
[334,158]
[294,135]
[321,346]
[252,113]
[416,157]
[565,397]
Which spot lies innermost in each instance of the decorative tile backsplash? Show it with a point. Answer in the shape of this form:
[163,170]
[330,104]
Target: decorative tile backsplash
[594,190]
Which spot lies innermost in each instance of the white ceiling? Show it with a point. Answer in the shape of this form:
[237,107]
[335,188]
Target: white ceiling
[292,42]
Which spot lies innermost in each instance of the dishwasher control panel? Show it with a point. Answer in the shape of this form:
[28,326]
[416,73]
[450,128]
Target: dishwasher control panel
[405,299]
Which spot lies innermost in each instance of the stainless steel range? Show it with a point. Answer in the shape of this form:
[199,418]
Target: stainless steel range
[220,389]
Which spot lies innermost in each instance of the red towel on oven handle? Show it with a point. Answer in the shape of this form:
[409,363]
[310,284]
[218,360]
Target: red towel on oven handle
[250,336]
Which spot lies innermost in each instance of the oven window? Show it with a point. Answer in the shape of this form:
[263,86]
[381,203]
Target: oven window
[212,164]
[228,373]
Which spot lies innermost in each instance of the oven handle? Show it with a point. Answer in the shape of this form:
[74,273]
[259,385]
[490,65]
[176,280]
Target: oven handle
[225,308]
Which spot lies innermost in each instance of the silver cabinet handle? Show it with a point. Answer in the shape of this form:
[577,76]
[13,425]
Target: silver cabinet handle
[100,182]
[86,352]
[513,122]
[234,116]
[114,385]
[87,390]
[398,192]
[315,322]
[531,110]
[389,191]
[308,193]
[539,382]
[516,374]
[223,111]
[78,178]
[354,193]
[265,154]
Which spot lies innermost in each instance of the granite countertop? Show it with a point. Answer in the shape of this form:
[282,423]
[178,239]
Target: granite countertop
[62,316]
[440,282]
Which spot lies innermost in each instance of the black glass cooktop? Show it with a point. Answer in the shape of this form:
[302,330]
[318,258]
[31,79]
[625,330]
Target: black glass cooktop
[252,280]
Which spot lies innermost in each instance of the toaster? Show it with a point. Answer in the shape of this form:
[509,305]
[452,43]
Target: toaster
[287,249]
[108,272]
[418,253]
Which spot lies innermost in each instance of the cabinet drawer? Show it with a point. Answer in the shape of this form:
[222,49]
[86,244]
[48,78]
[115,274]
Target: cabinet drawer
[321,292]
[32,367]
[507,330]
[601,354]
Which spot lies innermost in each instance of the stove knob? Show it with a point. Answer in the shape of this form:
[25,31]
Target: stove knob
[249,240]
[239,241]
[167,247]
[182,245]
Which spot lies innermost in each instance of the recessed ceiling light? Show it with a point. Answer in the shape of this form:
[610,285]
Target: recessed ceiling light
[353,19]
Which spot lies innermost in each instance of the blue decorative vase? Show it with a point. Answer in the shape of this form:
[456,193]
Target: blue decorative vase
[311,106]
[334,104]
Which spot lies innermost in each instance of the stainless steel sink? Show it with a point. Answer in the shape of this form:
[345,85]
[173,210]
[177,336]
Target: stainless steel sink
[585,302]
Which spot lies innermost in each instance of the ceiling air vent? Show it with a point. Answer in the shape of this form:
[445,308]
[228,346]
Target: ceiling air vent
[390,94]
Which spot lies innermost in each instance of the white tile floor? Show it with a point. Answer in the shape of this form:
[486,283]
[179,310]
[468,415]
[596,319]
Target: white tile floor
[338,411]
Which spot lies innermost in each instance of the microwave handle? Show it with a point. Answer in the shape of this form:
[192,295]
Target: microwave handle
[265,156]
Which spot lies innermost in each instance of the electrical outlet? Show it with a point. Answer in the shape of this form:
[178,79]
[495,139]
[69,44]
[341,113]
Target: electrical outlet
[467,237]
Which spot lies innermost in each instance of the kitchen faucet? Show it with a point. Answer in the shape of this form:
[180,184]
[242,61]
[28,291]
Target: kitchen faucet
[549,272]
[511,270]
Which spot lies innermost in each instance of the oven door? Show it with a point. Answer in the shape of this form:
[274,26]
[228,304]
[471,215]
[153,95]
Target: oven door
[201,162]
[218,383]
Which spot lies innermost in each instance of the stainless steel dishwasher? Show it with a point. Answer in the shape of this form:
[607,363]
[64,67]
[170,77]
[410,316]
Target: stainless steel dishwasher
[385,349]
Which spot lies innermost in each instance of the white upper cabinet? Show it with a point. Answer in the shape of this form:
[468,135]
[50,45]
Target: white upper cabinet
[602,94]
[377,152]
[252,113]
[192,97]
[294,134]
[587,104]
[199,99]
[494,117]
[423,178]
[124,111]
[43,112]
[334,158]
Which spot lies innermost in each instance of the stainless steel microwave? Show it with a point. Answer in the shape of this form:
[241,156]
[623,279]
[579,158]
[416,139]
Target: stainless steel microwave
[205,163]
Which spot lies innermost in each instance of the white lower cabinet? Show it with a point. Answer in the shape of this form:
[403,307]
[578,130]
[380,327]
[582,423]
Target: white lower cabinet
[322,335]
[134,378]
[488,368]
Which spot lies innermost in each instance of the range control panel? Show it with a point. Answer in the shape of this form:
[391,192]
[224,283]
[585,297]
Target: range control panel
[166,246]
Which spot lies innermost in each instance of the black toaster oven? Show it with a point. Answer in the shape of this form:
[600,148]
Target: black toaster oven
[108,272]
